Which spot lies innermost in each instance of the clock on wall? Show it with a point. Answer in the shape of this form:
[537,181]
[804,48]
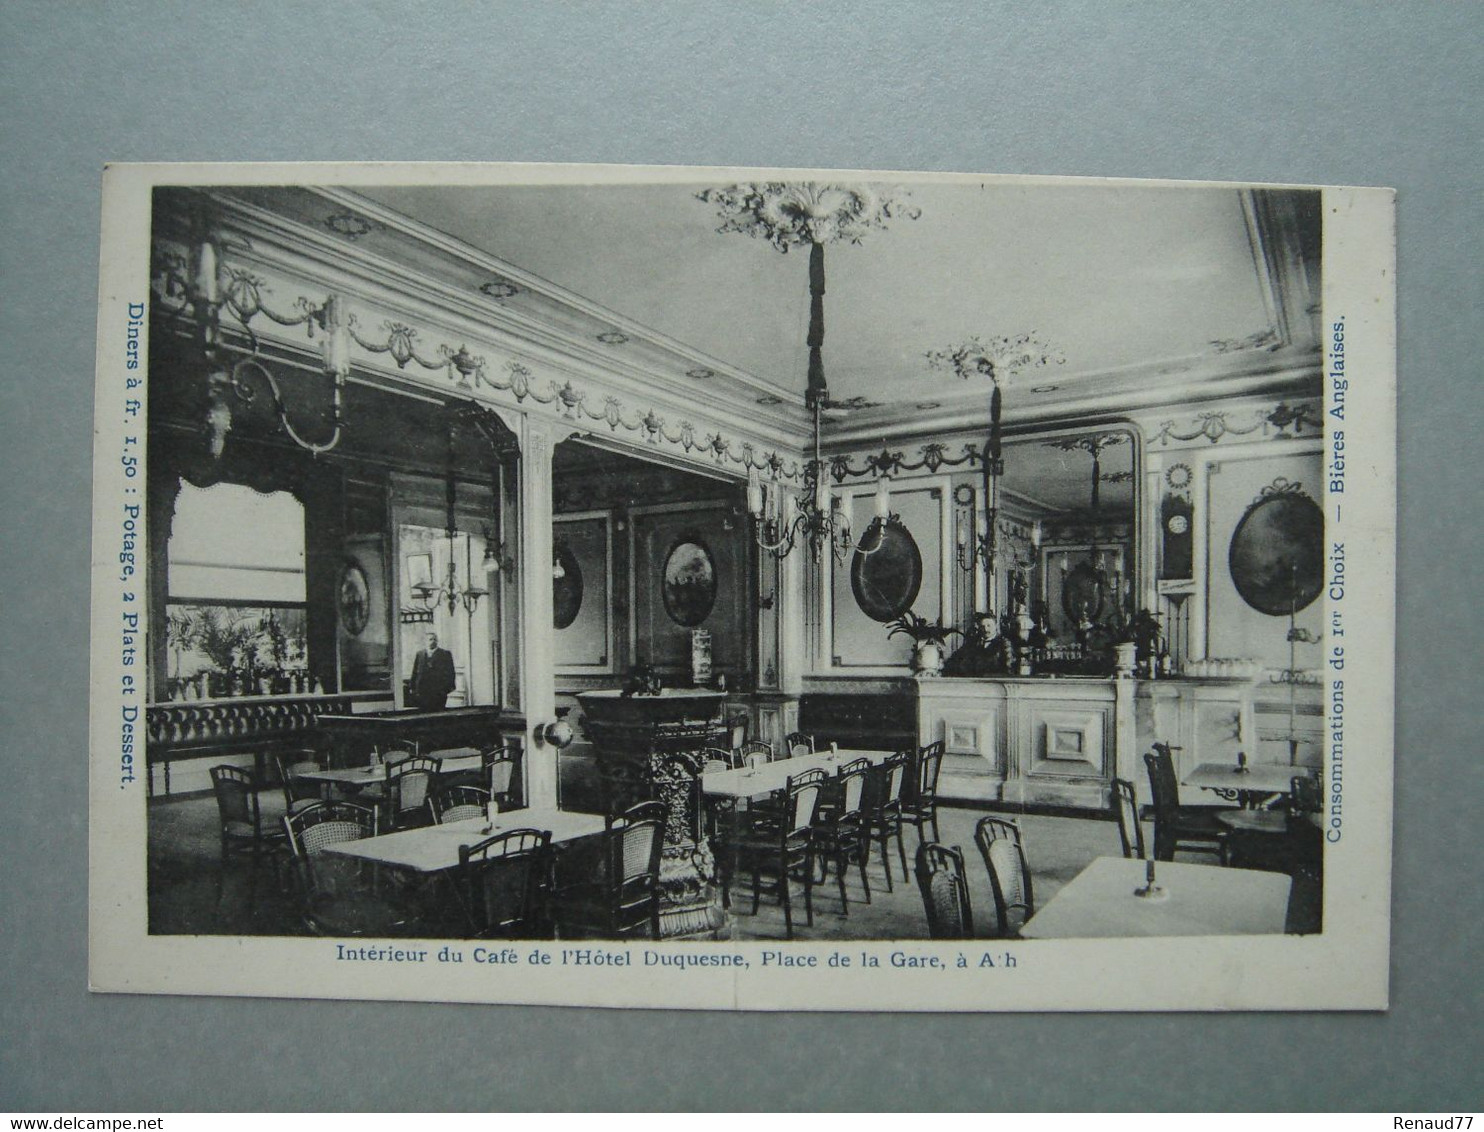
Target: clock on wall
[1178,550]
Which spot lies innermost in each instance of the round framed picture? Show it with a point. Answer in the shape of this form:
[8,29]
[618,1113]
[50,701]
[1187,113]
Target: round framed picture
[353,598]
[1277,554]
[688,587]
[886,581]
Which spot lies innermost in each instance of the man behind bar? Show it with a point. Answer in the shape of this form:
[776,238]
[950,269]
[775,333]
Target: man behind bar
[432,676]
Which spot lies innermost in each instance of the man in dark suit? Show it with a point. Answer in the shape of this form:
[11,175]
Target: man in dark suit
[432,676]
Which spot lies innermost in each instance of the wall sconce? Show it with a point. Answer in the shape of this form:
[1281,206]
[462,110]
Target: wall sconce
[205,288]
[497,560]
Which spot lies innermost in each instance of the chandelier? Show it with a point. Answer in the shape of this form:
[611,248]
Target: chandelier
[991,359]
[450,592]
[1100,602]
[810,215]
[204,288]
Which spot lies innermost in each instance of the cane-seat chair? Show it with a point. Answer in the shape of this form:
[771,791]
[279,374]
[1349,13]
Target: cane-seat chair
[1178,828]
[458,803]
[622,898]
[1126,811]
[797,743]
[945,892]
[781,850]
[920,800]
[503,881]
[842,833]
[1002,846]
[884,810]
[339,895]
[409,784]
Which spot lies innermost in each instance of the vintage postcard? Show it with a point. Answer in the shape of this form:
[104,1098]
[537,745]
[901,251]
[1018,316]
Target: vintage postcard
[742,588]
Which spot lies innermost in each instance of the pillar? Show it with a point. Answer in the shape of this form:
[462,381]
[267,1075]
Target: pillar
[537,656]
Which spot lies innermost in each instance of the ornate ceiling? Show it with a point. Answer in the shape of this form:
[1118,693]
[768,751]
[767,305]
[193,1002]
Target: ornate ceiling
[1132,286]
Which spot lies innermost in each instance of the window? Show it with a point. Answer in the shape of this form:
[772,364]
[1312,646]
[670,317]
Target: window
[235,613]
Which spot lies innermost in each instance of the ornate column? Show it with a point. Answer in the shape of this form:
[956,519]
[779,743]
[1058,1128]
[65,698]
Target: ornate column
[793,613]
[538,440]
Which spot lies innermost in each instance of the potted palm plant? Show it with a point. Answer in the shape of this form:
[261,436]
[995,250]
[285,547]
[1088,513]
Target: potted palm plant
[929,638]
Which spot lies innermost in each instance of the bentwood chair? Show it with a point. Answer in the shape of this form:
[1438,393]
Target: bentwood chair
[409,783]
[1179,828]
[623,899]
[241,824]
[1126,810]
[945,892]
[884,813]
[502,881]
[470,776]
[755,752]
[1280,840]
[498,766]
[394,752]
[338,895]
[297,793]
[920,801]
[781,850]
[1003,849]
[796,743]
[457,803]
[842,835]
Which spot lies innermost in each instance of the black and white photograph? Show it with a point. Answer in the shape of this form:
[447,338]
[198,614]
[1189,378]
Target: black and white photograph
[773,589]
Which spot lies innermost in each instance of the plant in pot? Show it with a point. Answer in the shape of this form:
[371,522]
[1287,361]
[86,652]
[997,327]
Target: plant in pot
[929,638]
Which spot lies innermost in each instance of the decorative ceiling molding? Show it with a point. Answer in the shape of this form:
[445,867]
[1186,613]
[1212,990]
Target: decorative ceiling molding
[1289,373]
[541,318]
[1286,420]
[464,373]
[1217,424]
[997,357]
[1283,228]
[797,214]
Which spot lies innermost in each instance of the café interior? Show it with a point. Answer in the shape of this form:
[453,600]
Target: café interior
[802,560]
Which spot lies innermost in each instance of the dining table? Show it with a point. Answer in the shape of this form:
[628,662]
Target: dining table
[434,848]
[353,779]
[750,782]
[1251,783]
[1103,901]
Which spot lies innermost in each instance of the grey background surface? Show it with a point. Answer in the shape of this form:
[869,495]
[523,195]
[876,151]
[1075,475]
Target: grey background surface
[1327,92]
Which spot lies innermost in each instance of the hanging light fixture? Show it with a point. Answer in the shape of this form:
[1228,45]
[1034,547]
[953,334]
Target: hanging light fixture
[809,215]
[993,359]
[451,593]
[203,288]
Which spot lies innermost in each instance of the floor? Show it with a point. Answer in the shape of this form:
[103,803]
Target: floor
[189,893]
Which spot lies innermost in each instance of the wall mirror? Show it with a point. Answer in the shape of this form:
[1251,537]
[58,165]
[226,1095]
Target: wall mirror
[1066,533]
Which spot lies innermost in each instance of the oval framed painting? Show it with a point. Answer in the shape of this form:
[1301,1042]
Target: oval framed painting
[1082,593]
[688,585]
[886,581]
[353,598]
[566,589]
[1276,556]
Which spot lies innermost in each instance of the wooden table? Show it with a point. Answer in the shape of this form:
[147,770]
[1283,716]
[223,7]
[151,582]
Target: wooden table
[354,778]
[1200,900]
[1257,781]
[352,737]
[749,782]
[436,847]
